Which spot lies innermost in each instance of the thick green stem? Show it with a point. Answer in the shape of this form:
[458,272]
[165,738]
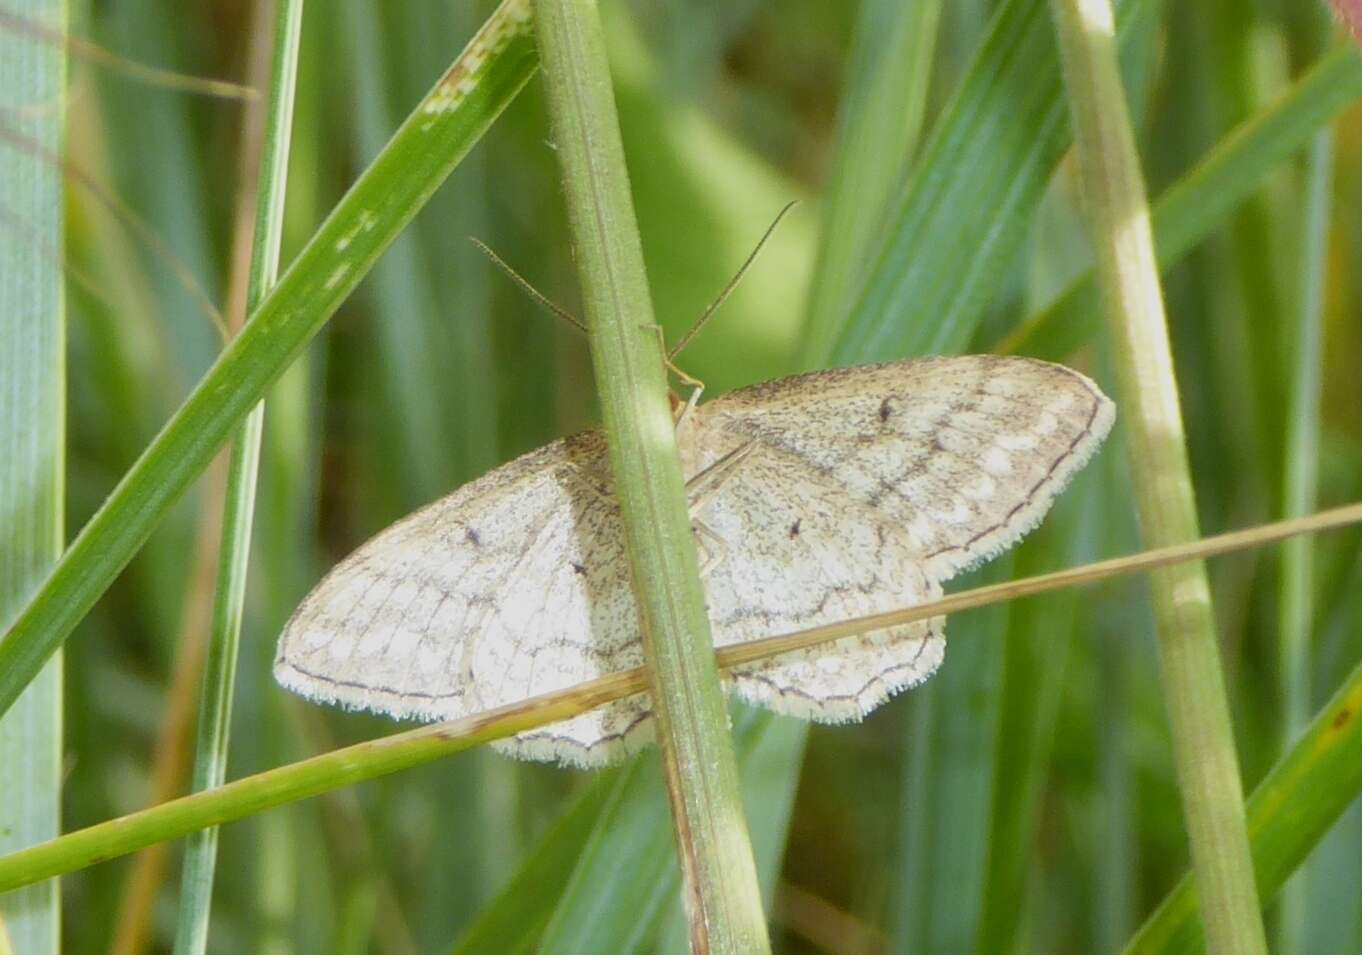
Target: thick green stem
[1203,742]
[723,901]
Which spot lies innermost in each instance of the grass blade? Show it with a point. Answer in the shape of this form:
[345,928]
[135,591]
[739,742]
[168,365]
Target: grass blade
[976,188]
[1190,210]
[219,679]
[718,874]
[416,160]
[951,750]
[1288,813]
[32,453]
[1203,740]
[515,920]
[1300,470]
[380,757]
[1035,652]
[881,114]
[597,914]
[408,357]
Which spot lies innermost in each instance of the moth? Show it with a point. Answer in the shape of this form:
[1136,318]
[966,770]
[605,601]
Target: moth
[814,499]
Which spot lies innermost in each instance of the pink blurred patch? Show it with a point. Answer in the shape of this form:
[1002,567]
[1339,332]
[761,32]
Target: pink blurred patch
[1350,12]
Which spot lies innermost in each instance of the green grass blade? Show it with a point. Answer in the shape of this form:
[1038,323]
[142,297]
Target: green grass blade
[769,764]
[514,921]
[1121,665]
[1035,652]
[951,746]
[462,321]
[970,200]
[1288,813]
[689,712]
[881,116]
[167,181]
[1190,210]
[32,452]
[1300,470]
[1194,685]
[1334,919]
[420,155]
[977,184]
[460,379]
[406,354]
[278,787]
[220,665]
[599,914]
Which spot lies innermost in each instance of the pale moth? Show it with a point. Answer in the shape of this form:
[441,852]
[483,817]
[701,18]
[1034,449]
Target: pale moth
[843,493]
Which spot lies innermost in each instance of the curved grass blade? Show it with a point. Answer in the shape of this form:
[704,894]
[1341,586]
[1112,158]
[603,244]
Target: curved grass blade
[1188,211]
[514,921]
[970,201]
[620,823]
[879,122]
[1288,813]
[597,914]
[444,126]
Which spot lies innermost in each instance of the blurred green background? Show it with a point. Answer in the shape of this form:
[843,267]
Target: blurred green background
[1024,800]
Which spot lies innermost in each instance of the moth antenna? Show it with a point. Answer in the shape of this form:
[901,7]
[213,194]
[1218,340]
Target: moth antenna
[732,284]
[529,289]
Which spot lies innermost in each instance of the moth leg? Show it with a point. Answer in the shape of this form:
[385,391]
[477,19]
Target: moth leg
[690,381]
[691,401]
[710,558]
[703,486]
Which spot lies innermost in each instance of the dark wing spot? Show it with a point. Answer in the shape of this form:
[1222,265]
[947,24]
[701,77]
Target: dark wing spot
[885,410]
[794,530]
[473,537]
[578,568]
